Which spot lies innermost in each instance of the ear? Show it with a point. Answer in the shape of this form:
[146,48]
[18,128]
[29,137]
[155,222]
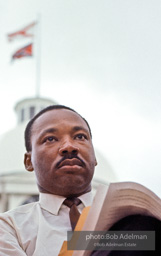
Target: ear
[95,162]
[27,162]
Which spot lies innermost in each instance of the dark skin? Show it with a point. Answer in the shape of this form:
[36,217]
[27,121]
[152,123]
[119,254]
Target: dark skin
[62,154]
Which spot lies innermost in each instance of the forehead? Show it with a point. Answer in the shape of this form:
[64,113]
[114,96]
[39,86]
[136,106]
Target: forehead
[58,117]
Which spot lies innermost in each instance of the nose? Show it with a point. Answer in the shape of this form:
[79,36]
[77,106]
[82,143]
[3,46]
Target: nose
[68,148]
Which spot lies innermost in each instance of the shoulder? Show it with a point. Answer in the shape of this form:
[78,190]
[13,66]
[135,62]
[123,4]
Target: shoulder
[23,212]
[18,227]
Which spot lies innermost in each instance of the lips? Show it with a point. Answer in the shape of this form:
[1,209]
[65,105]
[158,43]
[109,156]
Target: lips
[70,162]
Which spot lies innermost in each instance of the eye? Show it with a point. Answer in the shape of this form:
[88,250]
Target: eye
[49,139]
[81,137]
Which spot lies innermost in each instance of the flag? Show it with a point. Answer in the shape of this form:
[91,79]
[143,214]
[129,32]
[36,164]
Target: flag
[23,52]
[22,33]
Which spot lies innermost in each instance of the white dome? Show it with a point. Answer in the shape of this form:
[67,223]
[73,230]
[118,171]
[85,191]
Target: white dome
[12,150]
[27,108]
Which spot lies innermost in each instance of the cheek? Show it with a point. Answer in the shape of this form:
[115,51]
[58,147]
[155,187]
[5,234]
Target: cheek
[39,160]
[90,156]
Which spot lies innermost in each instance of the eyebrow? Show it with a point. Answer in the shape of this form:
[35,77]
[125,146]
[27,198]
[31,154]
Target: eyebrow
[53,130]
[78,128]
[50,130]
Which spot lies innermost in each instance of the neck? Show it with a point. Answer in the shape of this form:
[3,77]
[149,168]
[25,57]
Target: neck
[70,194]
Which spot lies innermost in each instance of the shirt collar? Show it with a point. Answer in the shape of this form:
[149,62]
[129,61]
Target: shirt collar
[86,198]
[52,203]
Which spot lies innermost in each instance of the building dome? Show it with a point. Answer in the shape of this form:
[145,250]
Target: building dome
[27,108]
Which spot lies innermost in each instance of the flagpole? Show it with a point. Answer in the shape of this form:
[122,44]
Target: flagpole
[38,56]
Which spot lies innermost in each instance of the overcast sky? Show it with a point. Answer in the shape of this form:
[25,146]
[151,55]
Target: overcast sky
[102,58]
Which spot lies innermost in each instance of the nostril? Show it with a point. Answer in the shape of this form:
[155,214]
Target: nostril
[68,149]
[65,151]
[75,151]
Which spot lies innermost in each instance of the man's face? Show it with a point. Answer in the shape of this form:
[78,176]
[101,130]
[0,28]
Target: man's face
[62,154]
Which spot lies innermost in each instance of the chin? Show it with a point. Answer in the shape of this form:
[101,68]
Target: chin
[70,186]
[76,189]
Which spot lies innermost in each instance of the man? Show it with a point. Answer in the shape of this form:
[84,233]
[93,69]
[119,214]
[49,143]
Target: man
[60,152]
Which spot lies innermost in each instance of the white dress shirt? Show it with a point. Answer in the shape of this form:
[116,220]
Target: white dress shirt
[37,229]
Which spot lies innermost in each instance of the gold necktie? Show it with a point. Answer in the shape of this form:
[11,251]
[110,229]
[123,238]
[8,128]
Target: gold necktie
[74,214]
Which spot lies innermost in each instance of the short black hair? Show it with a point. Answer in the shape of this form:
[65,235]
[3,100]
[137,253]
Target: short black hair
[30,123]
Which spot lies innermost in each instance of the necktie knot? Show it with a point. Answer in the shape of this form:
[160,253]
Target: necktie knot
[74,214]
[71,201]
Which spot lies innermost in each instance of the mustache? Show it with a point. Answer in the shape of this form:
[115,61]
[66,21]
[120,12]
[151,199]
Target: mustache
[71,156]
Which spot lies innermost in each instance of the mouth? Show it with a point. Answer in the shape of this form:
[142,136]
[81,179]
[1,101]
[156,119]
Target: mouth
[70,162]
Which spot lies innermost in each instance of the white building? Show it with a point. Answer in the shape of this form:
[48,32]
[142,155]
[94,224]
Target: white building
[16,184]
